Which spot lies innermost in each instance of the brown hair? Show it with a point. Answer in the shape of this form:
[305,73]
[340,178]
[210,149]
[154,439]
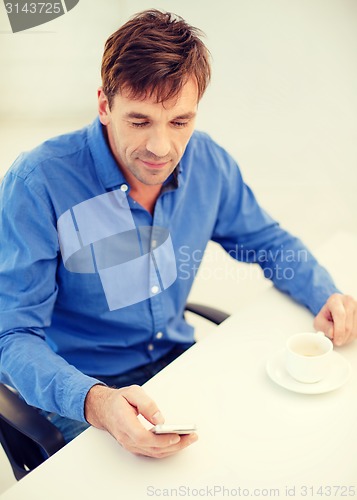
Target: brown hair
[154,54]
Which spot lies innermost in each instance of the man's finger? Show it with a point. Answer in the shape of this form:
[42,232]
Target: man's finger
[338,314]
[161,451]
[138,398]
[349,303]
[323,322]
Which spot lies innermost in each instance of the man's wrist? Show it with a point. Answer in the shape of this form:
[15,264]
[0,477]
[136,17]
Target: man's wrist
[94,404]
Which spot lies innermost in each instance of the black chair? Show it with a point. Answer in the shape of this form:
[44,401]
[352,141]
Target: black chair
[210,313]
[28,438]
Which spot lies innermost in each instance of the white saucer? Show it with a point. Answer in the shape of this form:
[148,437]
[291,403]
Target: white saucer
[339,374]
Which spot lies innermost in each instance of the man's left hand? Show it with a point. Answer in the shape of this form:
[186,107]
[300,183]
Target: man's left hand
[338,319]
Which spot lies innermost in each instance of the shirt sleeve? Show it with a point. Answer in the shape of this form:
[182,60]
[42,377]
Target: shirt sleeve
[250,235]
[28,263]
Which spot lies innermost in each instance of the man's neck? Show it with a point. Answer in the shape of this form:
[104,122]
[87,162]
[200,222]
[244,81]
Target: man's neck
[146,195]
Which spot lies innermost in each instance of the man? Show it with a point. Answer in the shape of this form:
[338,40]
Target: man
[100,233]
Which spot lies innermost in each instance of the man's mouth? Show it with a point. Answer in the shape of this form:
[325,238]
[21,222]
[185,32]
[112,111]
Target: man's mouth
[155,165]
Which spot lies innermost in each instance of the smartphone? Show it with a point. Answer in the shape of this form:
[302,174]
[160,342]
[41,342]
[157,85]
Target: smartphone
[174,429]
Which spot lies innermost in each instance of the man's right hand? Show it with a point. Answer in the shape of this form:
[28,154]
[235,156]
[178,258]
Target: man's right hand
[116,411]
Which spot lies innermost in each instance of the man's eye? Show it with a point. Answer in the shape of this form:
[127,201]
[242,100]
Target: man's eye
[139,124]
[180,124]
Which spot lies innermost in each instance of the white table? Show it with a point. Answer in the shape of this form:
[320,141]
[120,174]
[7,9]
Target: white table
[255,438]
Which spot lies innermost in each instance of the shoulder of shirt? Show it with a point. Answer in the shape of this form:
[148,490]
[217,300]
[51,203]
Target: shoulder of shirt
[203,140]
[216,157]
[62,146]
[200,137]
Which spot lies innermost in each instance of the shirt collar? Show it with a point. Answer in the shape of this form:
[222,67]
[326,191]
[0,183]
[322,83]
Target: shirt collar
[172,182]
[105,164]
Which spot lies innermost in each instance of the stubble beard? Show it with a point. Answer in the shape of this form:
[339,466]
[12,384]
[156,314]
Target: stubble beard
[151,177]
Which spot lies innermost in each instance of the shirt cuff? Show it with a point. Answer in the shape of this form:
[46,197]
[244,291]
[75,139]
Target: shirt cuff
[76,394]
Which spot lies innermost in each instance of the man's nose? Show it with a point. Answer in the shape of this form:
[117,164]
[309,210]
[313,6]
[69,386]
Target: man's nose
[158,143]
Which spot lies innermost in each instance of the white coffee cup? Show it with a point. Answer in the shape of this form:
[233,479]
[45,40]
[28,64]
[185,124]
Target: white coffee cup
[308,356]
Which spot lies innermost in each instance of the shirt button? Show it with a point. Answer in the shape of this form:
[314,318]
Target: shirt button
[154,289]
[150,347]
[124,188]
[153,243]
[159,335]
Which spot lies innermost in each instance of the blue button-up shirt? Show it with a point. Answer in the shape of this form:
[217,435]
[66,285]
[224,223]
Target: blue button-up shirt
[93,284]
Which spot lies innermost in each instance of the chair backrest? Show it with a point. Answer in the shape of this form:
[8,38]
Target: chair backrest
[27,437]
[23,453]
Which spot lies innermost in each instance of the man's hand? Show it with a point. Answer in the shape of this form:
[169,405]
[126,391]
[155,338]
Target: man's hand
[116,410]
[338,319]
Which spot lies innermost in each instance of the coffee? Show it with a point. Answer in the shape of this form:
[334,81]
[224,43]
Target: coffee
[310,350]
[308,356]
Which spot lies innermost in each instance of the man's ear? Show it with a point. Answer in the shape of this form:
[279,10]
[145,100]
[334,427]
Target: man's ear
[103,107]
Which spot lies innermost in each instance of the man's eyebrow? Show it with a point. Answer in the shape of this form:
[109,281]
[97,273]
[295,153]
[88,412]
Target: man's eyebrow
[140,116]
[137,116]
[186,116]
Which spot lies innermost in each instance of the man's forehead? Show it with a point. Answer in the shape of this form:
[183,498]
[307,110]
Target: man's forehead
[185,101]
